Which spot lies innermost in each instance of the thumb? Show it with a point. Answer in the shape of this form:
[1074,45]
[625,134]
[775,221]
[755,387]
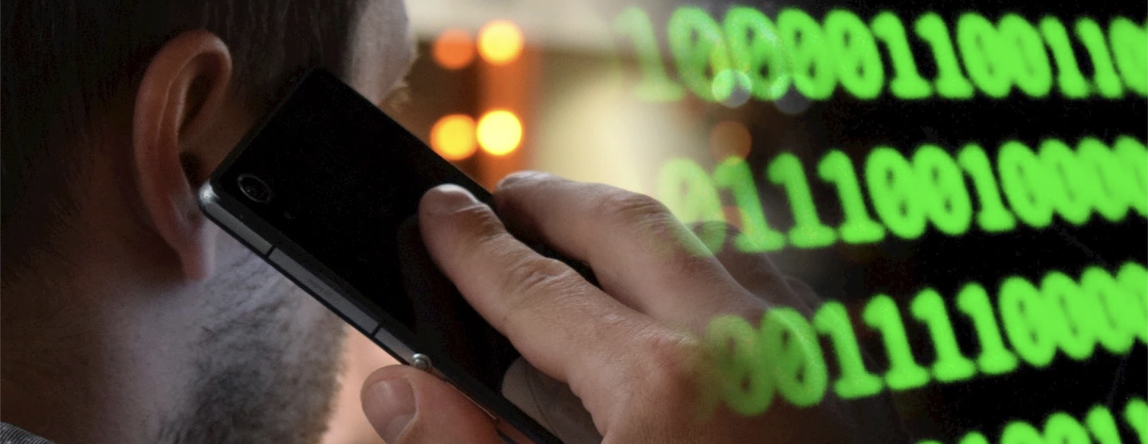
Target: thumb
[406,405]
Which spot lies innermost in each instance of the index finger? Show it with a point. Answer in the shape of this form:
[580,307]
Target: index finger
[562,324]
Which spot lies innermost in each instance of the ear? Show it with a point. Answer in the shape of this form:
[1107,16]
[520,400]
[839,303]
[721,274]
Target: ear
[178,104]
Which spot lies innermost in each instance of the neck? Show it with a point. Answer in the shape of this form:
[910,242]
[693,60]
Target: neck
[73,363]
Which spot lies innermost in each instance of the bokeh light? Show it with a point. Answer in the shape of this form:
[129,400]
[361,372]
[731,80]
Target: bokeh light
[500,42]
[452,137]
[453,49]
[732,88]
[499,132]
[730,138]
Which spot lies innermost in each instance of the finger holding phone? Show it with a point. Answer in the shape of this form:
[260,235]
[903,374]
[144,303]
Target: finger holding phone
[630,350]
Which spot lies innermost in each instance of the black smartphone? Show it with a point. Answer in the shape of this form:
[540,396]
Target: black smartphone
[326,189]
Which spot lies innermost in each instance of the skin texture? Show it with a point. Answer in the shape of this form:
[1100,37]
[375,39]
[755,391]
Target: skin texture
[630,350]
[146,324]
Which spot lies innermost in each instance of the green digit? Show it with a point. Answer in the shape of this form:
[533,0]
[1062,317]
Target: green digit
[1020,432]
[950,365]
[1076,313]
[745,381]
[1102,425]
[1087,312]
[904,372]
[1072,197]
[755,45]
[808,231]
[858,227]
[813,73]
[855,382]
[1055,322]
[948,204]
[1025,183]
[1024,317]
[1136,414]
[1069,79]
[994,359]
[896,195]
[1134,156]
[859,65]
[1134,278]
[974,438]
[1107,83]
[1130,52]
[799,367]
[696,42]
[1114,189]
[655,85]
[691,196]
[907,82]
[993,216]
[950,82]
[988,65]
[1121,321]
[1032,73]
[1060,428]
[756,235]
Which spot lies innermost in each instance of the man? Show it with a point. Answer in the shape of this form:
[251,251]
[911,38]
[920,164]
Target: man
[128,318]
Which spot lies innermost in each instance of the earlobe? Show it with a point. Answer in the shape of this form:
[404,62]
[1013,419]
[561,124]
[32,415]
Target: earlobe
[178,103]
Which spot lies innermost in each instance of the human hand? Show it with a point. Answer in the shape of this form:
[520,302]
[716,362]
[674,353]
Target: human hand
[631,350]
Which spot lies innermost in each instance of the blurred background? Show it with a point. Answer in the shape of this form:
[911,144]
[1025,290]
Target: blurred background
[502,86]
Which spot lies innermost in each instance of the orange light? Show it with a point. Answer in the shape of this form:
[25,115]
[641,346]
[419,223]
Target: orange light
[730,138]
[499,132]
[500,42]
[452,137]
[453,49]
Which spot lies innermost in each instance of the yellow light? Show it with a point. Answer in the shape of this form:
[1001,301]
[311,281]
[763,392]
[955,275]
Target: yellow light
[730,138]
[499,132]
[452,137]
[453,49]
[500,42]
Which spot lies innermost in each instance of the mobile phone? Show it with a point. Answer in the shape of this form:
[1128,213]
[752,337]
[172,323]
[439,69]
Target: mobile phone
[326,188]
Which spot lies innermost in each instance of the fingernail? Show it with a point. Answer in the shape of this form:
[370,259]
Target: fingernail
[448,198]
[390,406]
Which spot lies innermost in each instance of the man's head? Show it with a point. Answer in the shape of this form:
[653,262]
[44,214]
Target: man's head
[125,315]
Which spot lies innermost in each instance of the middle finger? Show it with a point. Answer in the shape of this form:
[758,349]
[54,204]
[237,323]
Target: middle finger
[639,252]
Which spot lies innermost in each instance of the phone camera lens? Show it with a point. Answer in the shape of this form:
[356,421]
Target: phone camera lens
[254,188]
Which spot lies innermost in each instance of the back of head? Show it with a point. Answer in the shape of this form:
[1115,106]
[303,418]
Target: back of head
[67,61]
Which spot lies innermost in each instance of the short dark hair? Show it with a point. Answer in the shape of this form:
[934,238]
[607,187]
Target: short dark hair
[64,61]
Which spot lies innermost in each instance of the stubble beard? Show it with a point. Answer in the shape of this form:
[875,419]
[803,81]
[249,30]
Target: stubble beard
[267,373]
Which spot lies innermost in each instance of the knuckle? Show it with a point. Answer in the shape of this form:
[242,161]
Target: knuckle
[478,220]
[673,366]
[627,207]
[637,213]
[659,233]
[532,275]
